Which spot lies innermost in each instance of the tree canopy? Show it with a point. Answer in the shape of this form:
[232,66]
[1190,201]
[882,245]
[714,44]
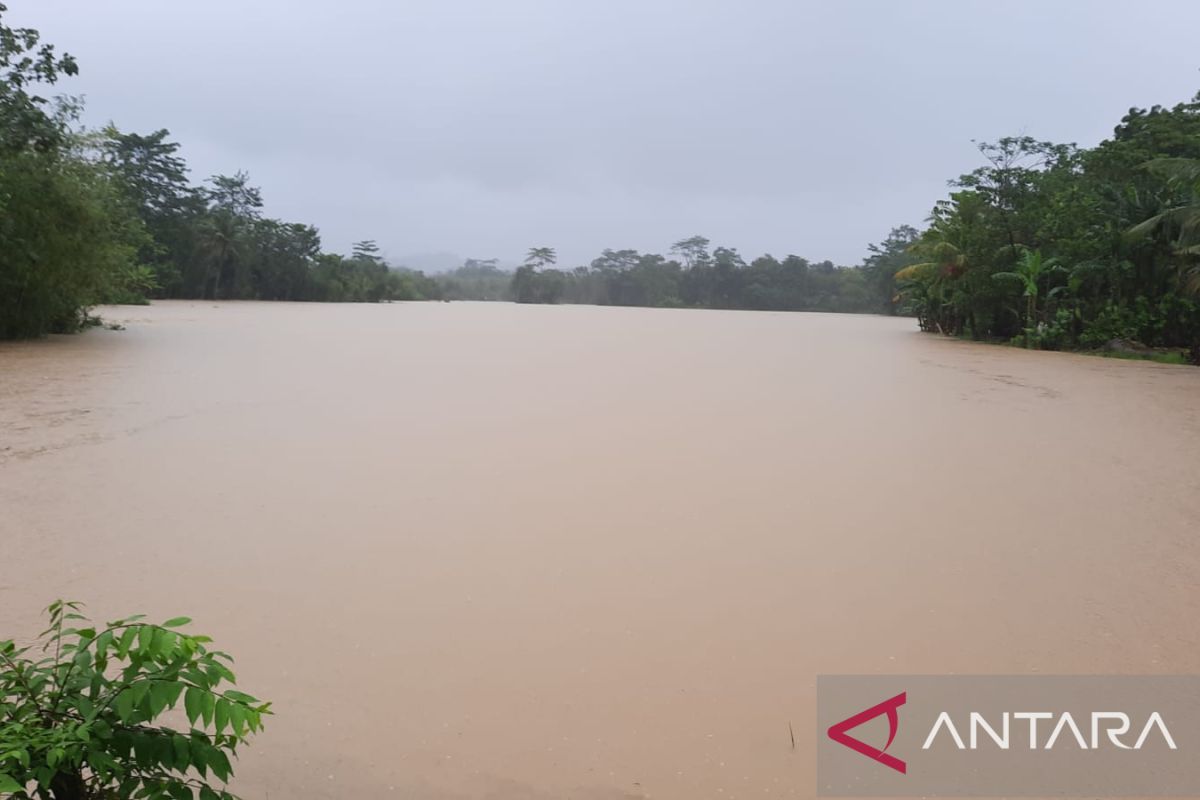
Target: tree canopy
[89,217]
[1056,246]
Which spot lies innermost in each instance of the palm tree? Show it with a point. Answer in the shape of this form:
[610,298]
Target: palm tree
[1183,220]
[926,288]
[222,249]
[539,257]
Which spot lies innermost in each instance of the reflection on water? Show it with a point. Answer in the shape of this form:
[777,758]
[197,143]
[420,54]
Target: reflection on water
[496,551]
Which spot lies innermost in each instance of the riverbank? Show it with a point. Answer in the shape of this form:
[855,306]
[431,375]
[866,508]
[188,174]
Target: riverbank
[1117,348]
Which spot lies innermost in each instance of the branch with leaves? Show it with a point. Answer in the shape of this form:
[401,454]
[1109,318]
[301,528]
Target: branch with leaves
[80,719]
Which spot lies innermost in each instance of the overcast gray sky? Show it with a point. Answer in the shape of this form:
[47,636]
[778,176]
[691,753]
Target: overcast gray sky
[483,127]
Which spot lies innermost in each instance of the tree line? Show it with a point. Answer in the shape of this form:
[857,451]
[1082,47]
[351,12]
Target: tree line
[1055,246]
[694,275]
[106,216]
[1046,245]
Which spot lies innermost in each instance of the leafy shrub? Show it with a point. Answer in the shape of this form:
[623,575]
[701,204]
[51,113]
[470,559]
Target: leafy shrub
[131,287]
[79,718]
[1054,334]
[1137,323]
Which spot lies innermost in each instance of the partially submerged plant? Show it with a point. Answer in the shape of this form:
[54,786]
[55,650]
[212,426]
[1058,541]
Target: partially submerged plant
[79,717]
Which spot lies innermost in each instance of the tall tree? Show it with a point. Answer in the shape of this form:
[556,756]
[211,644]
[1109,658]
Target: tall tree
[234,194]
[886,259]
[541,257]
[67,241]
[154,178]
[693,250]
[366,250]
[151,171]
[25,63]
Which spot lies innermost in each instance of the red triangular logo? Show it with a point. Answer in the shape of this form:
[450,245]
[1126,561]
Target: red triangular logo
[839,735]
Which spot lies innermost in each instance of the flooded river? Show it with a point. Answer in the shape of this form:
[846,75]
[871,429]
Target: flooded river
[506,552]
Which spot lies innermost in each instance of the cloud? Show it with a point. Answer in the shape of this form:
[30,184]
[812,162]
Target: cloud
[482,127]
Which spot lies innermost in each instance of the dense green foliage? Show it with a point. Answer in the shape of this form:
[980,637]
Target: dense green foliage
[213,241]
[89,217]
[697,278]
[79,716]
[1054,246]
[66,237]
[1048,245]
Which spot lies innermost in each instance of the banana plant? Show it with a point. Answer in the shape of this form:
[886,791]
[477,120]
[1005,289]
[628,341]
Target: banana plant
[1030,269]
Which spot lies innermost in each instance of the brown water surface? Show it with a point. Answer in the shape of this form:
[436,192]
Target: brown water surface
[498,551]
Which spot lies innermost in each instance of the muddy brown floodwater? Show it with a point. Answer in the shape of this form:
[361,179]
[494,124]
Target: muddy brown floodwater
[506,552]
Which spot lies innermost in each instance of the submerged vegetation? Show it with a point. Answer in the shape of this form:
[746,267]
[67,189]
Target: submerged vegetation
[80,715]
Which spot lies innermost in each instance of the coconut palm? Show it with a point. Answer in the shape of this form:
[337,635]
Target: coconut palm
[1181,221]
[926,288]
[223,250]
[540,257]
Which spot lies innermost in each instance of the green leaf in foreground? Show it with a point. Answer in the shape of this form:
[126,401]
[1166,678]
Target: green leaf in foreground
[84,712]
